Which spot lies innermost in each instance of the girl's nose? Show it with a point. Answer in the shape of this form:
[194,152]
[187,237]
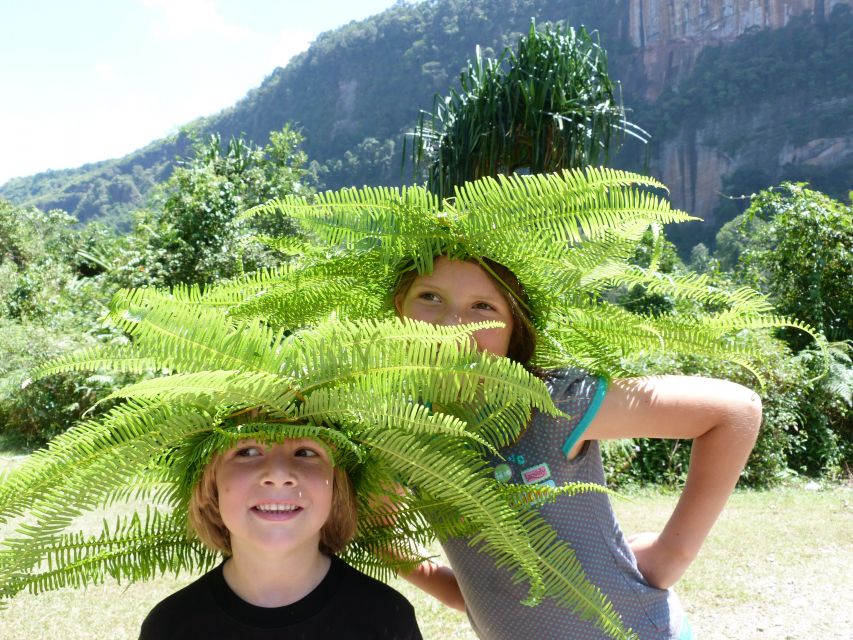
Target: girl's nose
[452,318]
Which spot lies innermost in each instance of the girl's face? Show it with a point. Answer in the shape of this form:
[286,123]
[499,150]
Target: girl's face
[275,498]
[459,292]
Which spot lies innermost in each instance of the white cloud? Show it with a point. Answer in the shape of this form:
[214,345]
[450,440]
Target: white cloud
[105,72]
[190,17]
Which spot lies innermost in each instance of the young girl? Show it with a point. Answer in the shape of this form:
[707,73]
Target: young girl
[279,513]
[636,573]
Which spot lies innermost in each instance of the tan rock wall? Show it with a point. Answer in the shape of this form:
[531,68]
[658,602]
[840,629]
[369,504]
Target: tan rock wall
[670,33]
[694,163]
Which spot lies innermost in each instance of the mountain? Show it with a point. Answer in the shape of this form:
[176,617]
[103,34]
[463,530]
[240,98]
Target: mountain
[738,95]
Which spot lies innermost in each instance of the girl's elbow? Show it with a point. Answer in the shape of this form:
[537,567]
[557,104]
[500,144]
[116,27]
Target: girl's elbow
[457,602]
[746,412]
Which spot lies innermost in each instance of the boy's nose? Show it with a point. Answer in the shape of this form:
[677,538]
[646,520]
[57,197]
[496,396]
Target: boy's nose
[278,471]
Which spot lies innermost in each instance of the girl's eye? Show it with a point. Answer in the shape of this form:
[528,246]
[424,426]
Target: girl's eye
[248,452]
[484,306]
[427,295]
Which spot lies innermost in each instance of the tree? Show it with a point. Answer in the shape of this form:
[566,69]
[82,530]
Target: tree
[796,245]
[546,106]
[52,291]
[196,237]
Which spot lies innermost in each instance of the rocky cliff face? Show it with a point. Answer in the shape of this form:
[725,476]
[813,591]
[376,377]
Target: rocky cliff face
[750,139]
[669,34]
[770,139]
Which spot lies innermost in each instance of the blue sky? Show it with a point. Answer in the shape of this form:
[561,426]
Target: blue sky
[88,80]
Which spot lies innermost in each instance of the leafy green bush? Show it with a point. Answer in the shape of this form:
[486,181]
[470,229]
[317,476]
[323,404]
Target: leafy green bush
[800,252]
[192,233]
[52,291]
[31,414]
[806,428]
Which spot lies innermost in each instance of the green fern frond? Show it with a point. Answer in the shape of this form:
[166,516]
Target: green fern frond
[305,293]
[567,208]
[691,286]
[343,407]
[294,246]
[566,583]
[374,391]
[538,494]
[390,220]
[567,238]
[211,388]
[187,337]
[82,467]
[119,359]
[456,471]
[134,548]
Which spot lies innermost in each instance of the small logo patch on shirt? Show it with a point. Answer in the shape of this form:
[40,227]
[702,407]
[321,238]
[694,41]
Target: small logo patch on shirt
[539,473]
[503,472]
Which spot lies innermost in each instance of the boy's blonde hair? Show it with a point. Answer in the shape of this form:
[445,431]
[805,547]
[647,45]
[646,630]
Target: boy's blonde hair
[206,521]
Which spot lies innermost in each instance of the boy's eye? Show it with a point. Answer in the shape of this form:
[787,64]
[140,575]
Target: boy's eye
[304,452]
[248,452]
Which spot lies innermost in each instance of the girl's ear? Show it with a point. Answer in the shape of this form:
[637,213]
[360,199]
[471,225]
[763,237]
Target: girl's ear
[398,304]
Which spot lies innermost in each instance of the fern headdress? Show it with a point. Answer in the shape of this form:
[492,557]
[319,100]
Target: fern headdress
[567,237]
[397,401]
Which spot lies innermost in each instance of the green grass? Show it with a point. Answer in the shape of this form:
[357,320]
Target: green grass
[777,565]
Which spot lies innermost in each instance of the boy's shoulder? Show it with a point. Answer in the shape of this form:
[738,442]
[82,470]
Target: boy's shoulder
[344,605]
[170,614]
[359,599]
[367,587]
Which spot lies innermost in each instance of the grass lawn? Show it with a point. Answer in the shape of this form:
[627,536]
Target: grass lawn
[777,565]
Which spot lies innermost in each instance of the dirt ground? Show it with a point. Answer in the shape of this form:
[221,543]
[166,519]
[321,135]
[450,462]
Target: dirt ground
[779,564]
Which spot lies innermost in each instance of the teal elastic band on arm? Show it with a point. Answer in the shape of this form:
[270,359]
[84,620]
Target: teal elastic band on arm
[594,405]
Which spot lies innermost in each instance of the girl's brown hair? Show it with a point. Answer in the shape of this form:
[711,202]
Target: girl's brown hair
[206,521]
[522,341]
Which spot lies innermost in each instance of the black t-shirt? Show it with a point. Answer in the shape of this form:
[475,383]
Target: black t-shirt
[346,605]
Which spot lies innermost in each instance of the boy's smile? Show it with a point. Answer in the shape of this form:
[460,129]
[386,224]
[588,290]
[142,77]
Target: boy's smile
[275,498]
[276,511]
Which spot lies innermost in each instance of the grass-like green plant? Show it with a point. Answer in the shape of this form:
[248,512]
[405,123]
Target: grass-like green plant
[549,104]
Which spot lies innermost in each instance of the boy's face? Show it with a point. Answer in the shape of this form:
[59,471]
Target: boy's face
[275,498]
[459,292]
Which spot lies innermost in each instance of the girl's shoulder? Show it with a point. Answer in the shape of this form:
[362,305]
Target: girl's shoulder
[570,382]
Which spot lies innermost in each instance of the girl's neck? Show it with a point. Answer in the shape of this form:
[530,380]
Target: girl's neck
[274,581]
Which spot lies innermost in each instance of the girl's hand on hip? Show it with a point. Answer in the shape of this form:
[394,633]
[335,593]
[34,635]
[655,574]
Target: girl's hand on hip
[661,567]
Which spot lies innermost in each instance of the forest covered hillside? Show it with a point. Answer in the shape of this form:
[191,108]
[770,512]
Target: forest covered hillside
[734,102]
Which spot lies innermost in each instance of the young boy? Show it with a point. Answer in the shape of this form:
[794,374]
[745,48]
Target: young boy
[279,512]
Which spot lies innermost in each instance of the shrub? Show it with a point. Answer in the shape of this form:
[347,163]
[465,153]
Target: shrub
[806,428]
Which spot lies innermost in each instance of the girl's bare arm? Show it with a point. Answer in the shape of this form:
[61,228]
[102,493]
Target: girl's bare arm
[439,582]
[722,418]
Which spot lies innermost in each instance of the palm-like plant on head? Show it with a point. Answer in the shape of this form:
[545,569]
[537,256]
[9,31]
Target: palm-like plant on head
[547,105]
